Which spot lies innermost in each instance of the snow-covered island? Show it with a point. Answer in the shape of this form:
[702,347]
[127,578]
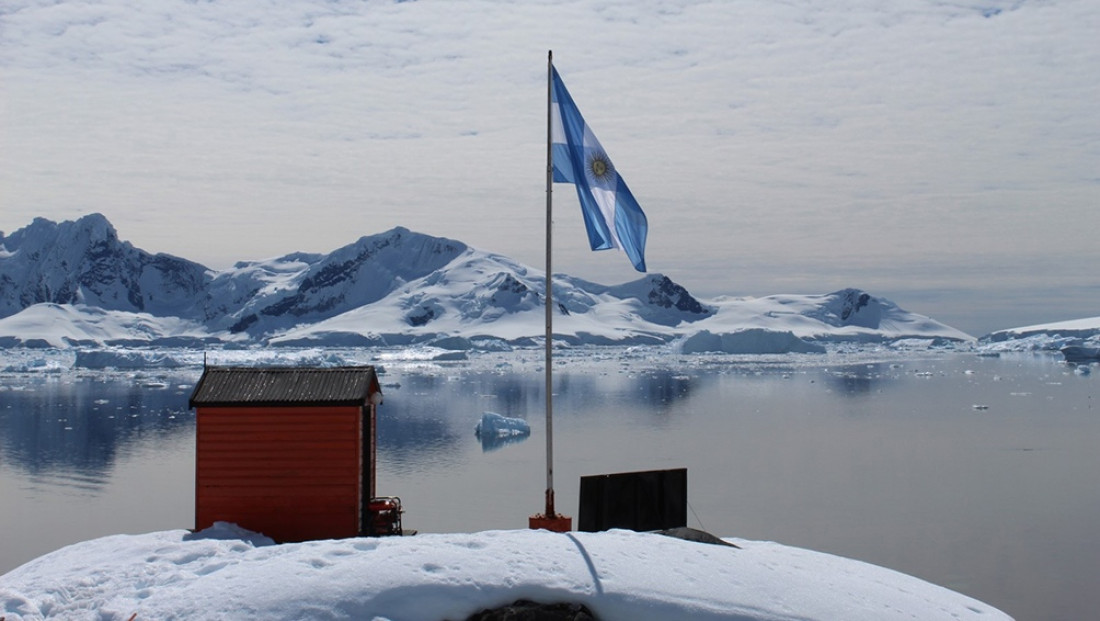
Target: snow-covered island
[77,285]
[228,573]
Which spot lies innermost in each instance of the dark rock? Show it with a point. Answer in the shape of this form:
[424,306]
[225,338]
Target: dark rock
[525,610]
[699,536]
[668,294]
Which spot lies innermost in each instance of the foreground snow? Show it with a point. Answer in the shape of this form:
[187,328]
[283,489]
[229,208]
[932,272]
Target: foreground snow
[231,574]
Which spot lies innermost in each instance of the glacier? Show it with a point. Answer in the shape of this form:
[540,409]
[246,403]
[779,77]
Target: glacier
[1081,333]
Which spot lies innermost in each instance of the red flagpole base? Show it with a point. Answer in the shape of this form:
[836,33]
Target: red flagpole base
[547,520]
[554,523]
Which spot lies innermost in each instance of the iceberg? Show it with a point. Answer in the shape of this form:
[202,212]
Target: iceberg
[495,430]
[494,424]
[1079,354]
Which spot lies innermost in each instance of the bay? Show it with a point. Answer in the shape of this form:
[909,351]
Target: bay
[976,473]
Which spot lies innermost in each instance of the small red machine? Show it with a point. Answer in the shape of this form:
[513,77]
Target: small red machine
[385,516]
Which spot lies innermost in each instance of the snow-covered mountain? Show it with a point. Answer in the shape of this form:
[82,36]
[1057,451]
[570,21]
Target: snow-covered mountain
[264,298]
[84,262]
[76,284]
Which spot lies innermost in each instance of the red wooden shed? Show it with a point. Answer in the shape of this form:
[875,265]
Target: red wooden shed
[286,451]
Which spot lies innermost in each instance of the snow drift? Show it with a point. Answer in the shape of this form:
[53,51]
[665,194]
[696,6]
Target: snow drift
[228,573]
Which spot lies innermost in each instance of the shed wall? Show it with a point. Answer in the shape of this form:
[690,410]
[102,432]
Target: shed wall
[292,473]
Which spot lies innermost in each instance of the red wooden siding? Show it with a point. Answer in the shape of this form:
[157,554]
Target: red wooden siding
[292,473]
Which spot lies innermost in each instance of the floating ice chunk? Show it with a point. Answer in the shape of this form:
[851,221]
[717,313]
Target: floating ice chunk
[496,431]
[497,425]
[1075,353]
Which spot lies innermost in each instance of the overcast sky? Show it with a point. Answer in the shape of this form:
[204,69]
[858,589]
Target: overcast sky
[942,154]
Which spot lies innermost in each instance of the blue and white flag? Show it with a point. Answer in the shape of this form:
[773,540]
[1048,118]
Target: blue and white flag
[611,215]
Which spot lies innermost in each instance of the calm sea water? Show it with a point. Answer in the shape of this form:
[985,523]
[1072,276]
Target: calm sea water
[971,472]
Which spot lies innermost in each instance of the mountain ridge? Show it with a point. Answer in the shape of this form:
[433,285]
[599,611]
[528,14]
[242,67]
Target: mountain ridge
[85,262]
[394,287]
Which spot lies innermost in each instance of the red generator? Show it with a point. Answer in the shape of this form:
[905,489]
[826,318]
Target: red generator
[385,516]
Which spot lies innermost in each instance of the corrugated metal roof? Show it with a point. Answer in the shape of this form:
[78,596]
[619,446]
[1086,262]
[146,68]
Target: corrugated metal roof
[222,386]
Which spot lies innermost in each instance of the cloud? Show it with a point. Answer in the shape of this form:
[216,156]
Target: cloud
[856,138]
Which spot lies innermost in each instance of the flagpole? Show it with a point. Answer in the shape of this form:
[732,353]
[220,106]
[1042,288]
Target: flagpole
[549,519]
[549,296]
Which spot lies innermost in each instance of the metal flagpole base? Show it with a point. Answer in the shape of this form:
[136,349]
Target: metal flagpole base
[550,520]
[553,523]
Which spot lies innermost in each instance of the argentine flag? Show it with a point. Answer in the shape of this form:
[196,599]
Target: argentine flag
[611,215]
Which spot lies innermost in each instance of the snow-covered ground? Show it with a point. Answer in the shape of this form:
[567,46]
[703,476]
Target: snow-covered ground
[227,573]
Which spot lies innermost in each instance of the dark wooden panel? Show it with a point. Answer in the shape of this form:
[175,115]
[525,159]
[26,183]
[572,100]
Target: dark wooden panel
[641,501]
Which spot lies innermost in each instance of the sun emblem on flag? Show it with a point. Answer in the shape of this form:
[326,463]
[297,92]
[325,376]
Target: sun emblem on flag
[600,167]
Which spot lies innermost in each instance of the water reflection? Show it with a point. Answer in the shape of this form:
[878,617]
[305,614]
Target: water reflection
[493,442]
[70,433]
[406,437]
[662,388]
[859,379]
[429,415]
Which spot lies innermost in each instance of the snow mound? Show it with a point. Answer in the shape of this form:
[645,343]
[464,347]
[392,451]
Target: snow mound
[225,531]
[616,574]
